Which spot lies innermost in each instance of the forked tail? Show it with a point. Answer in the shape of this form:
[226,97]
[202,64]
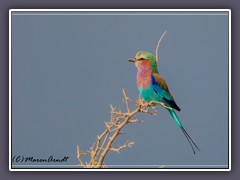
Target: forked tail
[191,142]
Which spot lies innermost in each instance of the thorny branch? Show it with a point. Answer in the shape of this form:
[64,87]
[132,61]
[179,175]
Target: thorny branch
[119,119]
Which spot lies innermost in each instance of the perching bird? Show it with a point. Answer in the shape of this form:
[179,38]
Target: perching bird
[153,88]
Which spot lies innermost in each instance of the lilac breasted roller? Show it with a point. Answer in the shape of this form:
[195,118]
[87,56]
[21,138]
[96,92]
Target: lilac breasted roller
[153,88]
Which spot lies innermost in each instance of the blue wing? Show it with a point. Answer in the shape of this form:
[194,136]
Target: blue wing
[161,89]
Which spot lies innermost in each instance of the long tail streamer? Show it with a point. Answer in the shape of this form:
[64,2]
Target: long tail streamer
[191,142]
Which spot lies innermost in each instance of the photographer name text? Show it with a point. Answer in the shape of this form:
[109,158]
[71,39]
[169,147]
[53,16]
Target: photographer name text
[31,159]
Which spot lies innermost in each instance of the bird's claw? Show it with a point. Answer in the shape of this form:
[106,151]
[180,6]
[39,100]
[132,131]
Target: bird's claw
[151,103]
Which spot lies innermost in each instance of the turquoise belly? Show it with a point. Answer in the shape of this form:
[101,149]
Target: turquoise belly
[149,94]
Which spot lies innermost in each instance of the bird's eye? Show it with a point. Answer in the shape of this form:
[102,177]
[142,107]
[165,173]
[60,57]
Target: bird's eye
[141,59]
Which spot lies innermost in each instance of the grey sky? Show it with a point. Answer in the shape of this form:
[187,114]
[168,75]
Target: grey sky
[68,69]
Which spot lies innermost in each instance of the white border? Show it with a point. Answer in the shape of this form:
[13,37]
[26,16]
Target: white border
[119,10]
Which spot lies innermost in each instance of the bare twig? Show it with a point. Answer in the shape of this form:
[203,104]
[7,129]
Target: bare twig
[158,44]
[126,100]
[134,121]
[118,120]
[79,153]
[126,145]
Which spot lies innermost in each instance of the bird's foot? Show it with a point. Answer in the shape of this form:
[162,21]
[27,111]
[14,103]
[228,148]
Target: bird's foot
[151,103]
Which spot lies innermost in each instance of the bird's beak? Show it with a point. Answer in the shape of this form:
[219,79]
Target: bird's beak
[132,60]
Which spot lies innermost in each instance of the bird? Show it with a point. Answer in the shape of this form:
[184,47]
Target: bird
[153,88]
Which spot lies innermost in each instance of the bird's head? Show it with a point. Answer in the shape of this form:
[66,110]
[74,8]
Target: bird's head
[144,58]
